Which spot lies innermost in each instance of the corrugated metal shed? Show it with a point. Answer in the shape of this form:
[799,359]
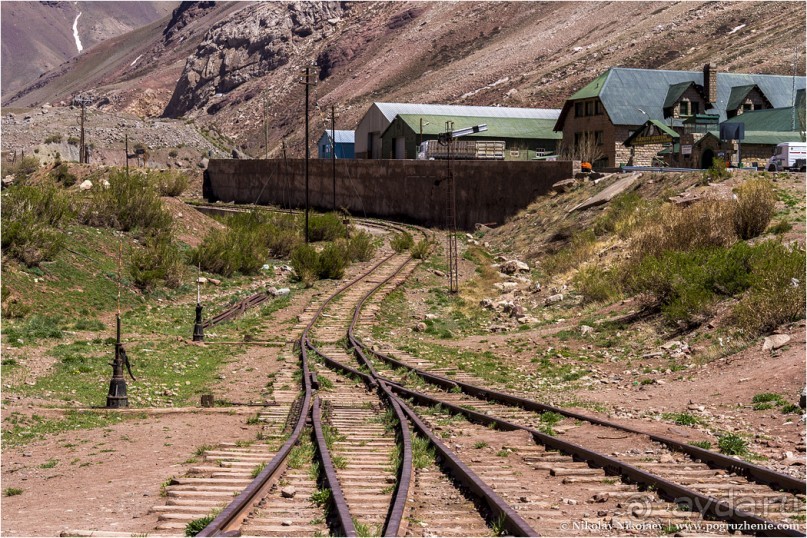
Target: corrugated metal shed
[390,110]
[526,128]
[626,92]
[342,137]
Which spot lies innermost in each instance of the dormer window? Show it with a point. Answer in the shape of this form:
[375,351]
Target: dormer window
[688,108]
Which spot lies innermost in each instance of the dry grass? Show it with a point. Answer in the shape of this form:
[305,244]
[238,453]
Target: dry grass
[754,209]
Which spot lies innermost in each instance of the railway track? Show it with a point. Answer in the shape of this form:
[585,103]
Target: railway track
[491,462]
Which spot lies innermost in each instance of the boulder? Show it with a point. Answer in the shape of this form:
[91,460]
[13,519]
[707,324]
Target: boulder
[552,299]
[288,492]
[511,267]
[85,185]
[282,292]
[775,341]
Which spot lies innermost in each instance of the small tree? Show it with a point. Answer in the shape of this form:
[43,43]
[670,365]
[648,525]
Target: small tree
[586,149]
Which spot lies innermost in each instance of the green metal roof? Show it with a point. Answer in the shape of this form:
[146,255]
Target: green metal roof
[664,128]
[661,126]
[771,119]
[768,138]
[632,96]
[536,129]
[593,88]
[675,92]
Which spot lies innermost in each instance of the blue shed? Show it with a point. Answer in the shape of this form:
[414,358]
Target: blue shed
[344,146]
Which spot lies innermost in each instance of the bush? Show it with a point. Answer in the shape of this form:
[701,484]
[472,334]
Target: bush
[732,445]
[53,139]
[598,285]
[402,242]
[197,525]
[708,223]
[169,182]
[173,153]
[281,242]
[327,227]
[717,171]
[782,226]
[130,203]
[755,206]
[160,261]
[575,253]
[61,174]
[332,261]
[777,293]
[31,221]
[305,261]
[623,215]
[25,168]
[360,247]
[421,249]
[73,140]
[230,251]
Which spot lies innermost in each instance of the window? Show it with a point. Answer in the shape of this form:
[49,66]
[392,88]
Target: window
[695,107]
[579,109]
[683,108]
[748,106]
[589,108]
[597,108]
[598,138]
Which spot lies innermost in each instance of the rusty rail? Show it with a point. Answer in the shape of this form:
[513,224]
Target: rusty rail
[738,519]
[345,522]
[237,309]
[755,472]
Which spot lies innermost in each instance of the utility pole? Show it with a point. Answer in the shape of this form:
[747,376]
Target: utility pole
[127,154]
[333,152]
[308,83]
[82,100]
[447,139]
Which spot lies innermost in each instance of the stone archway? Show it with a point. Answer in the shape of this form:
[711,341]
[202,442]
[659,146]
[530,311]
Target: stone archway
[707,157]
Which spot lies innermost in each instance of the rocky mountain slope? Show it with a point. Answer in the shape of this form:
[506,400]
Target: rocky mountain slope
[219,63]
[39,36]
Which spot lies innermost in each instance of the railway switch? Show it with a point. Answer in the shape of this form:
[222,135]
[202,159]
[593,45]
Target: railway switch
[117,398]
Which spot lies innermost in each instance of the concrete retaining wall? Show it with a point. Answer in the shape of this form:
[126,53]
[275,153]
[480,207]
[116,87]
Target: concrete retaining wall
[407,190]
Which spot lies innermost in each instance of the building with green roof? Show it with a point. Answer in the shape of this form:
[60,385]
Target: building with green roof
[602,115]
[524,138]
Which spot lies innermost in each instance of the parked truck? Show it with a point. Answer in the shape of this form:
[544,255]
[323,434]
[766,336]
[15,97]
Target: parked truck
[490,150]
[788,156]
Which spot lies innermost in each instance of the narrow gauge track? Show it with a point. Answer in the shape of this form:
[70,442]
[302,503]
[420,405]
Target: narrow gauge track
[745,495]
[263,490]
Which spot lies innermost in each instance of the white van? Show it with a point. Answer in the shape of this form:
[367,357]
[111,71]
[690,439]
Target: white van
[788,156]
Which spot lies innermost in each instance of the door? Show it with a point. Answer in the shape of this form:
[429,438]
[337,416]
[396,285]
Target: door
[400,148]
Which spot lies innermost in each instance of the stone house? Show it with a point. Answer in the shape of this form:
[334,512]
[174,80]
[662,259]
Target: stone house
[613,106]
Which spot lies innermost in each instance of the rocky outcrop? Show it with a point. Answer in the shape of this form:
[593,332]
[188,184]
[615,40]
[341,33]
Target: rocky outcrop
[252,43]
[182,15]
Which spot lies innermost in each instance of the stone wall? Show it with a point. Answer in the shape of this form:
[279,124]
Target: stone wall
[408,190]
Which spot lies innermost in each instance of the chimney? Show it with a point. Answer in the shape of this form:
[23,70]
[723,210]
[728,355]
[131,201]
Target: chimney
[710,83]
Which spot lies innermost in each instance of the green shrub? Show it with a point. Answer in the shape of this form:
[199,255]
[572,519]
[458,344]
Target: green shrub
[197,525]
[53,139]
[706,445]
[169,182]
[421,249]
[327,227]
[732,445]
[34,328]
[173,153]
[73,140]
[61,174]
[598,285]
[402,242]
[11,492]
[305,262]
[687,284]
[230,251]
[717,172]
[281,242]
[361,247]
[31,221]
[755,207]
[159,261]
[782,226]
[777,294]
[130,203]
[332,261]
